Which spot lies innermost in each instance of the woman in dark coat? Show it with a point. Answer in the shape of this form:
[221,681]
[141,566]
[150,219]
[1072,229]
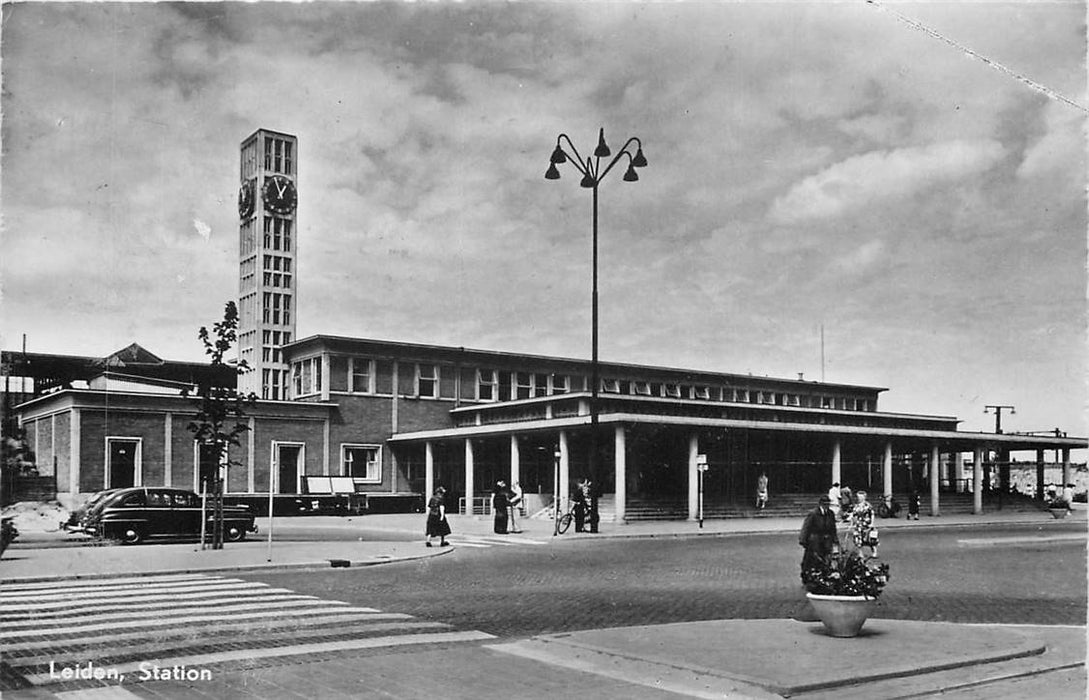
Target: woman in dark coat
[500,498]
[818,534]
[436,518]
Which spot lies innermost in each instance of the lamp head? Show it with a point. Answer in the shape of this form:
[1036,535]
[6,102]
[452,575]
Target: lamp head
[588,181]
[552,173]
[558,156]
[639,160]
[631,175]
[602,150]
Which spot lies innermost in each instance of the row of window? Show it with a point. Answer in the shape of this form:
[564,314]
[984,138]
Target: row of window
[277,233]
[363,375]
[426,380]
[274,384]
[278,155]
[731,394]
[276,308]
[246,240]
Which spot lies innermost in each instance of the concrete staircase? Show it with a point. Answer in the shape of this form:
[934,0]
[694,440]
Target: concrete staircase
[796,505]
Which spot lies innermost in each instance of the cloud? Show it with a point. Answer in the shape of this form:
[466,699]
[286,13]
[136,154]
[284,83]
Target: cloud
[868,179]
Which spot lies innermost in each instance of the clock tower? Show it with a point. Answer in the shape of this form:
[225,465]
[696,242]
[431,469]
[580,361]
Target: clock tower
[267,232]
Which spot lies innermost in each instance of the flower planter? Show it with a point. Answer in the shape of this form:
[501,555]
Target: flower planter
[1059,513]
[842,615]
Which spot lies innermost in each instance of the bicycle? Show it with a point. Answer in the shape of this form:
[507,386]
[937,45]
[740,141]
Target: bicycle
[564,521]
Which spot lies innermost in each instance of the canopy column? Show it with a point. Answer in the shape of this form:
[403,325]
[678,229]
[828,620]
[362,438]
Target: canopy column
[886,470]
[621,471]
[693,477]
[429,469]
[977,481]
[515,461]
[836,463]
[935,474]
[469,469]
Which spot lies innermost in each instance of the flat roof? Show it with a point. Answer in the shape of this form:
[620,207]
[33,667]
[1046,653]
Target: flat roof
[604,364]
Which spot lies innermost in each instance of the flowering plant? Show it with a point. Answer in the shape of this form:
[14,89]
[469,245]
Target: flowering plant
[846,573]
[1058,502]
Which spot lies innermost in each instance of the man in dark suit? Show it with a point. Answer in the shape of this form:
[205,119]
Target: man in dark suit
[818,534]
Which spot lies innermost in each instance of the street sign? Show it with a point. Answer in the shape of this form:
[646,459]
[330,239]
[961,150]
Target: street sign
[701,462]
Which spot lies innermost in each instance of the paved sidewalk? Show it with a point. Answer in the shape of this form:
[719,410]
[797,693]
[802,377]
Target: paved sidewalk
[543,528]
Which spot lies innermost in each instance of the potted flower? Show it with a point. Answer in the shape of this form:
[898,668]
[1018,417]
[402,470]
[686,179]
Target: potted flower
[842,589]
[1059,507]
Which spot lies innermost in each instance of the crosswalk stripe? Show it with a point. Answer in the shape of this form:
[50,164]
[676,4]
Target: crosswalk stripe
[154,607]
[197,660]
[46,585]
[487,540]
[471,544]
[178,587]
[301,619]
[154,623]
[163,614]
[81,601]
[145,648]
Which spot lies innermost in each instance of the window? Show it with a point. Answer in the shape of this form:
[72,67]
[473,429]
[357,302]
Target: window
[427,381]
[826,402]
[361,375]
[671,391]
[641,388]
[523,385]
[486,384]
[561,384]
[610,386]
[361,462]
[540,385]
[701,392]
[306,376]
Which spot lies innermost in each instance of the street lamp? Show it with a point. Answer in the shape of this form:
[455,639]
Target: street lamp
[998,415]
[1002,456]
[592,174]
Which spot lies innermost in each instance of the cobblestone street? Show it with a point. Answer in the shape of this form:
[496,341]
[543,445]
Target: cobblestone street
[937,575]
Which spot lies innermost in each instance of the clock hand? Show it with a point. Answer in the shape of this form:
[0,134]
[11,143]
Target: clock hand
[280,190]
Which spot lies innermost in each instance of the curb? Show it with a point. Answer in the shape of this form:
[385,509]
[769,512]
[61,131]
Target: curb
[329,563]
[785,530]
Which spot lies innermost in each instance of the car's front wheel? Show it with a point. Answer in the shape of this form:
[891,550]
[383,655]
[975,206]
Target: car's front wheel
[233,533]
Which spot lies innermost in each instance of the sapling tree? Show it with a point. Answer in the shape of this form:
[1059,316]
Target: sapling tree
[220,418]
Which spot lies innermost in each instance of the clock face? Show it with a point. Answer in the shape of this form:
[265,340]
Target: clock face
[279,195]
[246,199]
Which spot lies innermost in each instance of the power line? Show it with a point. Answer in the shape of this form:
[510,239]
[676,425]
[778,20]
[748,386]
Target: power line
[914,24]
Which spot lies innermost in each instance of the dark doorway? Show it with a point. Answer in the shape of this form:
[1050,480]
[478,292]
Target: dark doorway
[287,461]
[122,463]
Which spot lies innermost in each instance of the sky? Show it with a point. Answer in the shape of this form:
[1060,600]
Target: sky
[811,166]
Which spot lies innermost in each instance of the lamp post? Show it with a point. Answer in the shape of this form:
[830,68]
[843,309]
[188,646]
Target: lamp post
[592,174]
[1003,456]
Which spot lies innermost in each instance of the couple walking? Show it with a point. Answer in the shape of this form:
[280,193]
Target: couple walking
[505,504]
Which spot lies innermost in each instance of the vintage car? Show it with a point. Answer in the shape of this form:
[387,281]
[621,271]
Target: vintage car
[76,517]
[133,515]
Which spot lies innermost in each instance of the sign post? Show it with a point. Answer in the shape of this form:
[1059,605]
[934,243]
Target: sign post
[701,467]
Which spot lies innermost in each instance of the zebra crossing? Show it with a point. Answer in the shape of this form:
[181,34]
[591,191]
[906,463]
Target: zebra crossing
[485,541]
[132,626]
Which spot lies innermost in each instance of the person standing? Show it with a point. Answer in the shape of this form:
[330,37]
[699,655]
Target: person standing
[436,518]
[914,501]
[500,499]
[515,504]
[818,534]
[582,502]
[862,531]
[762,492]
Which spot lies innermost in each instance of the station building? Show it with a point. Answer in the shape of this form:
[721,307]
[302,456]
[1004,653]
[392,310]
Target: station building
[384,418]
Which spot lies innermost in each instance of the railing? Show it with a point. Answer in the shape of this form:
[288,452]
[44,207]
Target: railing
[482,505]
